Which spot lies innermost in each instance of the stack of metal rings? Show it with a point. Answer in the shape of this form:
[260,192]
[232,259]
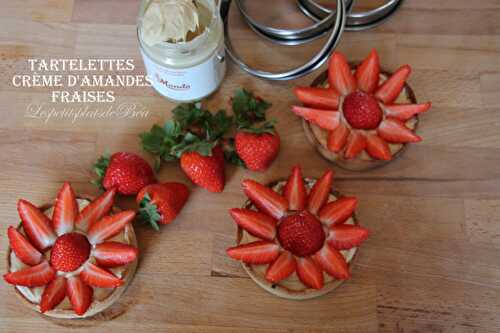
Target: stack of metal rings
[326,22]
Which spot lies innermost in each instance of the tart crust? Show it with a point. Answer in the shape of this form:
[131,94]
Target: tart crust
[96,306]
[317,136]
[291,287]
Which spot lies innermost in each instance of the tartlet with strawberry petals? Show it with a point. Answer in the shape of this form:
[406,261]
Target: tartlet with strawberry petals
[360,117]
[297,238]
[73,258]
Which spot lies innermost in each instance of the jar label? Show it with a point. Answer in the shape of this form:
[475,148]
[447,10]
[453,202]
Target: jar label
[187,84]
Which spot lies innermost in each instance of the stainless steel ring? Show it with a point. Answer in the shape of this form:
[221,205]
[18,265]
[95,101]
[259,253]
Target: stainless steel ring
[311,65]
[291,36]
[356,21]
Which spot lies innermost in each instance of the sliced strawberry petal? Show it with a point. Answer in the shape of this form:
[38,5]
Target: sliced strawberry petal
[391,88]
[65,210]
[367,73]
[327,119]
[339,74]
[96,210]
[346,236]
[356,143]
[109,226]
[34,276]
[320,192]
[337,138]
[332,262]
[114,254]
[295,190]
[281,268]
[22,248]
[378,148]
[80,294]
[266,199]
[98,277]
[256,253]
[53,294]
[258,224]
[316,97]
[406,111]
[36,225]
[395,131]
[310,273]
[338,211]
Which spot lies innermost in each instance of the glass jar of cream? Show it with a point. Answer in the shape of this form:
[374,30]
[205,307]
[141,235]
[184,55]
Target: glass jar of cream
[182,45]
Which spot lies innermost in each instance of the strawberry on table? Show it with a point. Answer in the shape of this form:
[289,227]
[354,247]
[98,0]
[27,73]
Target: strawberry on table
[256,142]
[193,137]
[128,172]
[161,203]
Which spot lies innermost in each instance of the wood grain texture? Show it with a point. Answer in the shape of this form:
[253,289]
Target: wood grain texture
[432,263]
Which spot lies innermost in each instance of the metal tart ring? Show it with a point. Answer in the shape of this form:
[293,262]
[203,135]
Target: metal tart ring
[311,65]
[292,36]
[356,21]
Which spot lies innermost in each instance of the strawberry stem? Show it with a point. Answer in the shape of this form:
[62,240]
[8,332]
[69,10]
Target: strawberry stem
[148,212]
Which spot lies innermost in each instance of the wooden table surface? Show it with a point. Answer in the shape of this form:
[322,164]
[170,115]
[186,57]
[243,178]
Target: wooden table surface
[432,263]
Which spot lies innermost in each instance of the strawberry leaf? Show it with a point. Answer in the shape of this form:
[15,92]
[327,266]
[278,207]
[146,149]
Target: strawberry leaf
[148,212]
[100,167]
[230,154]
[248,109]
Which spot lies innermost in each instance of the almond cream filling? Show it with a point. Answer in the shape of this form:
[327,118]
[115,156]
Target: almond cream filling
[34,295]
[293,282]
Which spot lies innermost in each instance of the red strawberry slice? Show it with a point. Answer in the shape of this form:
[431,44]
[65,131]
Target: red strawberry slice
[378,148]
[256,253]
[393,130]
[332,262]
[98,277]
[281,268]
[406,111]
[367,73]
[327,119]
[316,97]
[356,143]
[109,226]
[346,236]
[36,225]
[22,248]
[391,88]
[339,74]
[96,210]
[34,276]
[337,138]
[260,225]
[80,294]
[295,191]
[65,210]
[310,273]
[53,294]
[266,199]
[338,211]
[320,192]
[114,254]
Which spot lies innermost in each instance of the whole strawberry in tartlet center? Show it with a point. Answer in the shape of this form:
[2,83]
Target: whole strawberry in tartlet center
[301,234]
[69,252]
[362,111]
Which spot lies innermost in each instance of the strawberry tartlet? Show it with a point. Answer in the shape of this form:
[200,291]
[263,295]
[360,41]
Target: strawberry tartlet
[297,238]
[363,118]
[72,259]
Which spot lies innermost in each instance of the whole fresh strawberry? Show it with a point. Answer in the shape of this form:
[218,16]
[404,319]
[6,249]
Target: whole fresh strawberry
[257,151]
[193,136]
[161,203]
[128,172]
[205,171]
[256,142]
